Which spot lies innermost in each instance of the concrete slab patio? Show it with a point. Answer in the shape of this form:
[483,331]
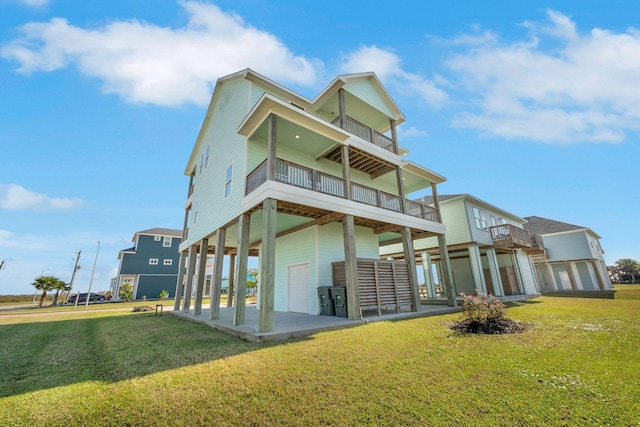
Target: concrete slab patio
[292,325]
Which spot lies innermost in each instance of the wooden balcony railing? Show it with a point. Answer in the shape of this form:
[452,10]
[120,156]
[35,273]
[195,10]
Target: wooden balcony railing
[365,132]
[508,235]
[314,180]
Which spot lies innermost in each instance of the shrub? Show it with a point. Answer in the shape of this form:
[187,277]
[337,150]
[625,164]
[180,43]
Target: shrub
[164,294]
[482,307]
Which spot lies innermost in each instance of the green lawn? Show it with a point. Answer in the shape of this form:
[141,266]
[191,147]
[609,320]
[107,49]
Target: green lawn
[579,364]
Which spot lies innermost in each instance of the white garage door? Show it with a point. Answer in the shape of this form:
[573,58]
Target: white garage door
[298,287]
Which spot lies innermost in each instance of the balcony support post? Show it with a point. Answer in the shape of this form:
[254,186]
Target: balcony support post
[476,268]
[241,270]
[403,205]
[447,274]
[436,204]
[189,283]
[494,272]
[271,148]
[180,281]
[410,258]
[231,285]
[267,265]
[201,276]
[216,280]
[346,173]
[342,109]
[428,274]
[394,136]
[351,268]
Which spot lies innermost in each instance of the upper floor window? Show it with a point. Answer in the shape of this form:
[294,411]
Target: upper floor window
[168,262]
[480,218]
[227,180]
[157,238]
[204,160]
[153,261]
[196,208]
[167,242]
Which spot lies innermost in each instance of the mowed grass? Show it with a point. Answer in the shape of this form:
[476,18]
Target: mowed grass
[578,364]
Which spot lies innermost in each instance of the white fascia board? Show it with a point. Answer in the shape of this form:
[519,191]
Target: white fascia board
[487,205]
[423,172]
[288,193]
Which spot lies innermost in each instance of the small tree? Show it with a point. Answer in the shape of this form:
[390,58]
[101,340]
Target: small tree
[126,291]
[628,267]
[164,294]
[47,284]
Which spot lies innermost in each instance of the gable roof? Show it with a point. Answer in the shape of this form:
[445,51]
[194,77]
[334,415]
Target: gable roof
[539,225]
[161,232]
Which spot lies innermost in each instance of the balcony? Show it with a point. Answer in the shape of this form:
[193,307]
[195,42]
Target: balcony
[314,180]
[509,236]
[365,132]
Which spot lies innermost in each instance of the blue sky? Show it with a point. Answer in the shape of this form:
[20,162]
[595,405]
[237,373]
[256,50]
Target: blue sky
[531,106]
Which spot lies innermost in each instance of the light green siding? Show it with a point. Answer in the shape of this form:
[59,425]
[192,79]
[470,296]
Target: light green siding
[227,147]
[364,90]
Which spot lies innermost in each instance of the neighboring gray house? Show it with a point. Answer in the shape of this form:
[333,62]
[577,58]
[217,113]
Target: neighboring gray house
[151,265]
[573,259]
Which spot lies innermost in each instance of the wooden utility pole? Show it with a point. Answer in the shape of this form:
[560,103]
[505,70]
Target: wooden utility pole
[76,267]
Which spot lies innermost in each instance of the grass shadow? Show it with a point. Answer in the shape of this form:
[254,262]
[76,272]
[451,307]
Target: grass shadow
[47,354]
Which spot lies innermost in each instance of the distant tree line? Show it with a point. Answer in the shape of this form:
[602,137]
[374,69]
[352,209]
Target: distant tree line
[625,270]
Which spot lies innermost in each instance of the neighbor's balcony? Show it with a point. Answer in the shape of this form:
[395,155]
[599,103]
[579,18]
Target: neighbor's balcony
[365,132]
[510,236]
[314,180]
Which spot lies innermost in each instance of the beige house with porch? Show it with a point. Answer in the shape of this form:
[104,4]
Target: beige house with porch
[310,187]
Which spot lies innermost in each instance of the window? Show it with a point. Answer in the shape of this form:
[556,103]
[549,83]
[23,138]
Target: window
[167,242]
[153,261]
[206,156]
[201,164]
[168,261]
[481,219]
[157,238]
[196,208]
[502,221]
[228,180]
[493,221]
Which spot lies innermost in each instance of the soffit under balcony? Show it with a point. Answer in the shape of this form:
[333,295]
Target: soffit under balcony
[362,161]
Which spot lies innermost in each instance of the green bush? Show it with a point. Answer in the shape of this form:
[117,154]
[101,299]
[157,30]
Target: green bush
[164,294]
[482,307]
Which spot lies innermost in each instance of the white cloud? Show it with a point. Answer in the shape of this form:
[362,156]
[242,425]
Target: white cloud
[146,63]
[411,132]
[387,66]
[580,91]
[35,3]
[16,197]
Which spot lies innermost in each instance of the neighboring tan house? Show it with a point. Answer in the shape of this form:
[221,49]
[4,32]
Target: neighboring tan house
[311,187]
[574,258]
[488,248]
[151,265]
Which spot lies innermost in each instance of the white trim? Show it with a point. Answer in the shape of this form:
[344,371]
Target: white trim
[151,261]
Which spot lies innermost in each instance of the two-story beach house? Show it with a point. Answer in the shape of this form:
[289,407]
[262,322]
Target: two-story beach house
[151,265]
[573,260]
[488,249]
[311,187]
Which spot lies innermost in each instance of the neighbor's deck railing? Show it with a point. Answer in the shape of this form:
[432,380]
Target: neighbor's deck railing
[365,132]
[314,180]
[509,232]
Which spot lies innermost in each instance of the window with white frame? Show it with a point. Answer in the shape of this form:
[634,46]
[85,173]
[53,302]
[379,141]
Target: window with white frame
[196,208]
[493,220]
[167,242]
[206,156]
[481,219]
[228,180]
[502,221]
[153,261]
[157,238]
[168,262]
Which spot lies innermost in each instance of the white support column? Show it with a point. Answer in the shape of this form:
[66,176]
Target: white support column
[410,258]
[216,280]
[446,278]
[201,277]
[189,282]
[231,283]
[428,274]
[494,271]
[575,276]
[552,278]
[180,281]
[476,268]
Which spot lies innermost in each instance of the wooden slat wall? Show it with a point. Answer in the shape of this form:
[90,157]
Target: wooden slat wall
[382,284]
[509,280]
